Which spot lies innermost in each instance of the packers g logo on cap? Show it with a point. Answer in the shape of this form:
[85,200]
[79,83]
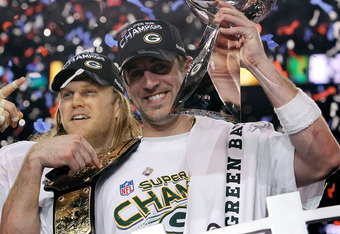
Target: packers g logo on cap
[152,38]
[93,64]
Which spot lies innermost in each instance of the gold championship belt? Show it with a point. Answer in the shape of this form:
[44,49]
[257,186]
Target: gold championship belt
[74,196]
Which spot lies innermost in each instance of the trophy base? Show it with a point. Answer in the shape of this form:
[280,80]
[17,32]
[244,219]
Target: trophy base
[206,113]
[201,98]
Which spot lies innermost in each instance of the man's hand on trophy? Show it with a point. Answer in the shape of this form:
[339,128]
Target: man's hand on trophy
[9,114]
[225,59]
[247,32]
[226,41]
[224,67]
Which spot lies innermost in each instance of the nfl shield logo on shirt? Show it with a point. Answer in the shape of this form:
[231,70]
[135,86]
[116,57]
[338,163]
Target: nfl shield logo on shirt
[126,188]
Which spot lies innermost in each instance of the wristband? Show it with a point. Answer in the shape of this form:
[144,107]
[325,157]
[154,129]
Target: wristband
[298,114]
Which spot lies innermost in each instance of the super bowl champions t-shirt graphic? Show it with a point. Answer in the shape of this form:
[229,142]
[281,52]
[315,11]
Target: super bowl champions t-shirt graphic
[161,200]
[150,188]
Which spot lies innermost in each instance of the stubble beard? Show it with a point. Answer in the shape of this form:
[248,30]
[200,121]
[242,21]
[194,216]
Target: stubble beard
[159,119]
[94,136]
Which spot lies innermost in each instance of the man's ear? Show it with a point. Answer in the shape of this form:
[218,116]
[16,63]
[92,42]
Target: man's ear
[117,108]
[128,90]
[188,62]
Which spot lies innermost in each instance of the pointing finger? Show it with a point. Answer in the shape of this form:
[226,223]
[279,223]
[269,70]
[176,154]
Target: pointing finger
[8,89]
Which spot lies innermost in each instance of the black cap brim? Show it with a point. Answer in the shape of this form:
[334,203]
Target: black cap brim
[162,54]
[64,75]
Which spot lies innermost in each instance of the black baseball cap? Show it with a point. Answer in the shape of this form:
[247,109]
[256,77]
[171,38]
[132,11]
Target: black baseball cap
[154,38]
[99,67]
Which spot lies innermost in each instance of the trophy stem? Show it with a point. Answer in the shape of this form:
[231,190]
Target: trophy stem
[205,48]
[224,70]
[205,10]
[216,93]
[199,93]
[198,66]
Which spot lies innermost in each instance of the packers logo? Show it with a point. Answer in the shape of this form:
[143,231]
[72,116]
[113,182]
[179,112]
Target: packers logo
[152,38]
[93,64]
[195,69]
[174,219]
[213,226]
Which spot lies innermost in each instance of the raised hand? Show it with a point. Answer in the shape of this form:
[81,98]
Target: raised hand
[242,33]
[9,114]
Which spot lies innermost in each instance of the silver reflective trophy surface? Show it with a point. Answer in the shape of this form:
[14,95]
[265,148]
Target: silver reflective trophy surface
[212,84]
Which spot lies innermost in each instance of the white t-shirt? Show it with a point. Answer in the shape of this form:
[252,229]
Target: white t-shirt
[11,159]
[152,185]
[233,168]
[230,170]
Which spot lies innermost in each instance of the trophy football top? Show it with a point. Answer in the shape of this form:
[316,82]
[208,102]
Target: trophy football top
[255,10]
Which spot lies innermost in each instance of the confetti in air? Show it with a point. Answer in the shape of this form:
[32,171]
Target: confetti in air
[268,38]
[41,126]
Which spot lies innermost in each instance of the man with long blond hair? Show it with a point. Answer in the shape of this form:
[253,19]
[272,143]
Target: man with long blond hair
[93,117]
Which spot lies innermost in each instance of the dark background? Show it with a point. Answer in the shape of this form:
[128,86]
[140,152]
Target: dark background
[35,33]
[26,49]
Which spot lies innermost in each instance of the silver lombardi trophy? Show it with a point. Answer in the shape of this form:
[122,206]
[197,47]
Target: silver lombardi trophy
[206,90]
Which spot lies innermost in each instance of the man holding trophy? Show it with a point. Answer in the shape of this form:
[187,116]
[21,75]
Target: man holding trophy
[193,173]
[232,167]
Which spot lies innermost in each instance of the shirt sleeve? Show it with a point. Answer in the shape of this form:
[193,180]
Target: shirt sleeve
[11,159]
[277,153]
[46,215]
[4,183]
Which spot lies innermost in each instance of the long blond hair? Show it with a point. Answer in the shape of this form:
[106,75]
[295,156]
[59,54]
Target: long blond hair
[126,126]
